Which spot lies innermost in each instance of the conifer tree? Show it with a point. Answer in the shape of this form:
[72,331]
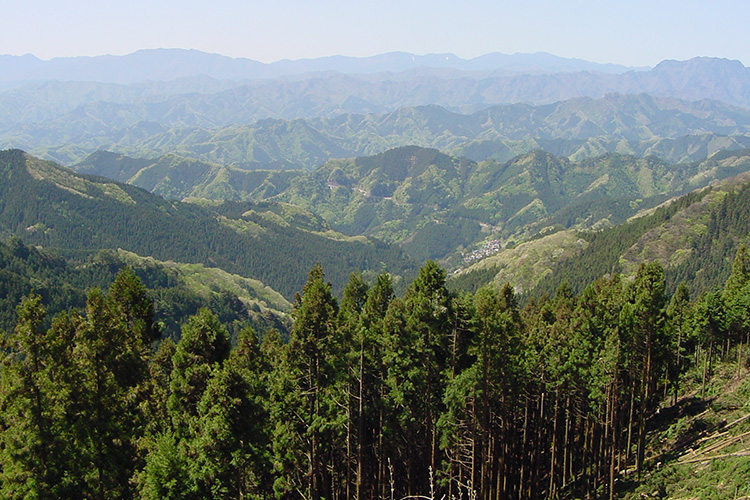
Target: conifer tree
[643,318]
[231,436]
[203,347]
[678,313]
[173,461]
[369,374]
[111,357]
[481,400]
[707,327]
[306,404]
[35,400]
[352,301]
[418,329]
[133,306]
[232,444]
[736,299]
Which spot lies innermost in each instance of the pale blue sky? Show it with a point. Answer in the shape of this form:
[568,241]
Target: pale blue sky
[635,33]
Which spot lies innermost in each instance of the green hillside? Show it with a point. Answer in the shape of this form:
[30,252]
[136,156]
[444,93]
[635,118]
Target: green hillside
[694,237]
[176,177]
[438,206]
[178,290]
[76,215]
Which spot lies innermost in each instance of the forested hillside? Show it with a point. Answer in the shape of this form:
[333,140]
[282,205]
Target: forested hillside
[579,128]
[443,207]
[437,206]
[693,237]
[392,194]
[177,177]
[53,207]
[178,290]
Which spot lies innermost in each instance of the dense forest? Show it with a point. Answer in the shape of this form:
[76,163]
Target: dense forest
[374,395]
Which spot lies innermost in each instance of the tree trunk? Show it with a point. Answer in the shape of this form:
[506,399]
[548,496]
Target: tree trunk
[552,490]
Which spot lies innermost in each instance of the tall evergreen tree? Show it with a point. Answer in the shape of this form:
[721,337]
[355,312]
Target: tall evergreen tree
[368,415]
[112,357]
[203,347]
[172,466]
[736,298]
[481,400]
[232,443]
[306,400]
[643,319]
[418,331]
[231,439]
[678,314]
[35,400]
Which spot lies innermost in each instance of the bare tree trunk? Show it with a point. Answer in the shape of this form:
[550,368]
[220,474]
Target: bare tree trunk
[647,382]
[630,423]
[552,491]
[522,474]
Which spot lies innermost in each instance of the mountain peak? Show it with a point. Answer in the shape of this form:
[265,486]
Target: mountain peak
[713,64]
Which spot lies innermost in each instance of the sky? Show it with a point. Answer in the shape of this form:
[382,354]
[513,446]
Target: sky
[632,33]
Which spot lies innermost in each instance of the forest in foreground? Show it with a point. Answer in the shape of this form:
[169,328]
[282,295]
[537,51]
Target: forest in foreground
[432,393]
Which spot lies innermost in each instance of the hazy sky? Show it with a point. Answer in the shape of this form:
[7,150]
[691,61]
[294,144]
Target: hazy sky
[635,32]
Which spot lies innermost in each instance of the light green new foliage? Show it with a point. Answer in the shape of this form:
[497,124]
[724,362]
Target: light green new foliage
[165,475]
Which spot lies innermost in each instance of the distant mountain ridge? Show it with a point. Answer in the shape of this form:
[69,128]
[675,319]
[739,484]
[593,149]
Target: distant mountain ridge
[170,64]
[211,102]
[66,121]
[641,125]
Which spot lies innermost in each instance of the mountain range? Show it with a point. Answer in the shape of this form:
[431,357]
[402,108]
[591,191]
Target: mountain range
[221,182]
[673,129]
[407,149]
[526,221]
[435,205]
[171,64]
[338,107]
